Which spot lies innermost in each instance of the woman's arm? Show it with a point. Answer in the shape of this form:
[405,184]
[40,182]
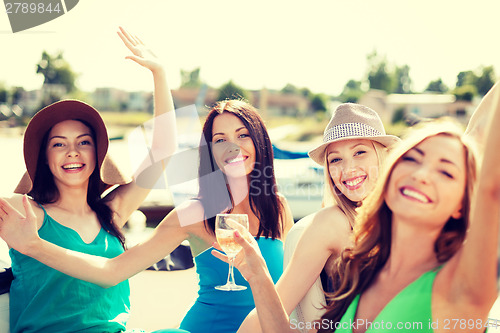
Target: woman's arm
[252,266]
[126,198]
[475,275]
[21,234]
[328,233]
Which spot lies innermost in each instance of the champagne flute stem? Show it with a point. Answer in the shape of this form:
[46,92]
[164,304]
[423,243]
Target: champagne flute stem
[231,271]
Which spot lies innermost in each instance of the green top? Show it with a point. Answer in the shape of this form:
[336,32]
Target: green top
[410,310]
[45,300]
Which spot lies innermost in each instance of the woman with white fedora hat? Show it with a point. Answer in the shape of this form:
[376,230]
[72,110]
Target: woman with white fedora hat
[353,148]
[68,169]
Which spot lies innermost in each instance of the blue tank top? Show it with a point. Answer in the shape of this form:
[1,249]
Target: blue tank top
[45,300]
[217,311]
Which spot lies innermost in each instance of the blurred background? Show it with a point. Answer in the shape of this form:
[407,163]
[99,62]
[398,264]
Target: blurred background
[295,61]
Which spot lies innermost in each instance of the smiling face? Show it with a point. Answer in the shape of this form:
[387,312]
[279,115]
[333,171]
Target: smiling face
[353,167]
[71,154]
[233,148]
[428,182]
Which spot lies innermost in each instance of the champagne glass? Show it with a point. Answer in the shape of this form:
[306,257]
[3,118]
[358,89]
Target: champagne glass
[225,238]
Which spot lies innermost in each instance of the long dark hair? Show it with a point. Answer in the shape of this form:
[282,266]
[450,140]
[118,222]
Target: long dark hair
[357,267]
[45,191]
[264,200]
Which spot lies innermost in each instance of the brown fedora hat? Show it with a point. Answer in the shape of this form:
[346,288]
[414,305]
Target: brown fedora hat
[49,116]
[352,121]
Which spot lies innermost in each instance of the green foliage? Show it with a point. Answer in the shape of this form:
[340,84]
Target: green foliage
[466,78]
[318,103]
[486,80]
[398,116]
[465,93]
[231,91]
[290,89]
[352,92]
[4,94]
[378,75]
[56,70]
[191,79]
[17,94]
[402,80]
[437,86]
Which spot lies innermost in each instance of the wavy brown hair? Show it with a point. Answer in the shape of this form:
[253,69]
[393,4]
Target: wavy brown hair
[263,196]
[357,267]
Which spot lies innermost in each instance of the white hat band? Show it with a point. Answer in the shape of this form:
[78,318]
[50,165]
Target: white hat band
[350,129]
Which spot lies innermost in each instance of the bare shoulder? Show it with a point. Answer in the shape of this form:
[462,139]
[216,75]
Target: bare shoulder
[329,225]
[16,201]
[331,218]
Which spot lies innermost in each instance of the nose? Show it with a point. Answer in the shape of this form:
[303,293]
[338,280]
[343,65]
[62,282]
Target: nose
[72,151]
[233,148]
[421,174]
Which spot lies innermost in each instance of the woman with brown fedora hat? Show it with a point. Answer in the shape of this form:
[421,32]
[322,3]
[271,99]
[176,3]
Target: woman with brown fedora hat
[353,148]
[68,169]
[236,176]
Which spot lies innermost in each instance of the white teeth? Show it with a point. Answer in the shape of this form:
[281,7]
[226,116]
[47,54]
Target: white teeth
[415,195]
[236,159]
[73,166]
[354,182]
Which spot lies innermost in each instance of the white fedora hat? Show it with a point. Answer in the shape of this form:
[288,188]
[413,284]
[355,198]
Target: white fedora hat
[352,121]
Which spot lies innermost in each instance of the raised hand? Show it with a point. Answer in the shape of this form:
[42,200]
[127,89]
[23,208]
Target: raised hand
[248,261]
[141,53]
[17,230]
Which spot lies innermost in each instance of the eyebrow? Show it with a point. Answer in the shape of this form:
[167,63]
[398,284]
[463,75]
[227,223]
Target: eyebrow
[352,147]
[443,160]
[63,137]
[237,130]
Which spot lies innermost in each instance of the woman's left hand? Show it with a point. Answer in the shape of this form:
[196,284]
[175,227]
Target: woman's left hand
[141,53]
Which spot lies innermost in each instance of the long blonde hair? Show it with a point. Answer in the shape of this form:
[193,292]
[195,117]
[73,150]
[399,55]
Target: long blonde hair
[358,266]
[332,195]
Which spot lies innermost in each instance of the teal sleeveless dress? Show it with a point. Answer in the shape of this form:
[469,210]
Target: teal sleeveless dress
[216,311]
[409,311]
[45,300]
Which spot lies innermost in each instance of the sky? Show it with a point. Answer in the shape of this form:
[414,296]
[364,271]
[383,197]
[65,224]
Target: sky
[318,44]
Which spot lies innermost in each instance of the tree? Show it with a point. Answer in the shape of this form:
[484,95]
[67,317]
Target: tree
[466,78]
[318,103]
[486,80]
[465,93]
[231,91]
[437,86]
[402,80]
[352,92]
[190,79]
[4,94]
[290,89]
[56,70]
[378,75]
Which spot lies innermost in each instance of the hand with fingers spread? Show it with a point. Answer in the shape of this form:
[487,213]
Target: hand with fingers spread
[249,260]
[17,230]
[141,53]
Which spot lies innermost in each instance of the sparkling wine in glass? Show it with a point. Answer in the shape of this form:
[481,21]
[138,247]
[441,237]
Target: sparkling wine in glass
[225,238]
